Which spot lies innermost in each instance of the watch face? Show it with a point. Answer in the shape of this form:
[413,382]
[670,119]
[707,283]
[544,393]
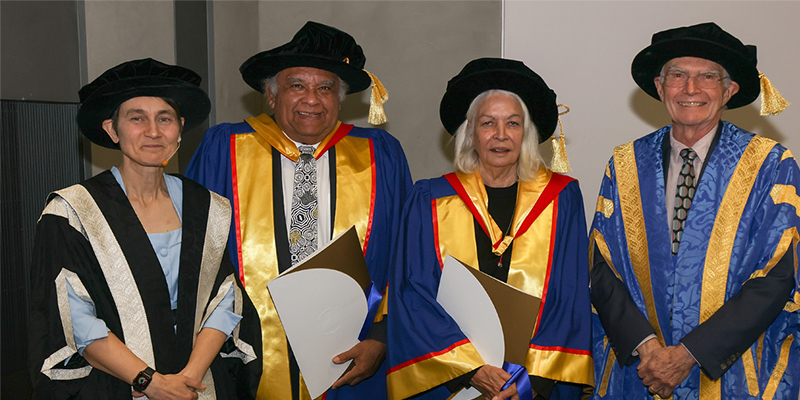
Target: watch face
[142,380]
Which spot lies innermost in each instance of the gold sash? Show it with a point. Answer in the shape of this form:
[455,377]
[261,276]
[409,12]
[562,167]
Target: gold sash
[251,158]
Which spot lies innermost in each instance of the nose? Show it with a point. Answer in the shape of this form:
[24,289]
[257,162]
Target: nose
[310,97]
[152,130]
[500,132]
[691,85]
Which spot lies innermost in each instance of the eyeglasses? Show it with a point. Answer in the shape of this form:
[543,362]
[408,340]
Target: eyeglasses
[705,80]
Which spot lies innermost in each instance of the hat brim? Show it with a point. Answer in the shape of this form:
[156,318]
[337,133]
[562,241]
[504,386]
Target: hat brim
[538,98]
[193,102]
[648,63]
[262,66]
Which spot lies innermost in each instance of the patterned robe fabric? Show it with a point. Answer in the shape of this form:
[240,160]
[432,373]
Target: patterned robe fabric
[715,294]
[369,182]
[426,347]
[90,236]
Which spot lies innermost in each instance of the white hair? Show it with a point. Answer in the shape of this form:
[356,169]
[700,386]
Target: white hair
[271,84]
[467,160]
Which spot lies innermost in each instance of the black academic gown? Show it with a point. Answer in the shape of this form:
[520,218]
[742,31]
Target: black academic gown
[90,236]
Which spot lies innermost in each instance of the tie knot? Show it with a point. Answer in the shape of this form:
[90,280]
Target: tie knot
[309,150]
[688,154]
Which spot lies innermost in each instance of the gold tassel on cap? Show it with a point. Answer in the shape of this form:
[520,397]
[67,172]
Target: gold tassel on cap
[772,103]
[379,96]
[560,162]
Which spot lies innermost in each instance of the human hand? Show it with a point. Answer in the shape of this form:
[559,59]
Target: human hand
[173,387]
[664,368]
[367,357]
[489,380]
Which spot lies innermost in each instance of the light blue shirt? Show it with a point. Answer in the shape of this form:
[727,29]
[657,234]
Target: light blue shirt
[87,327]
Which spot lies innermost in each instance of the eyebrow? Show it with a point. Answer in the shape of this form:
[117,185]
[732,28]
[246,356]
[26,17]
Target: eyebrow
[141,111]
[708,71]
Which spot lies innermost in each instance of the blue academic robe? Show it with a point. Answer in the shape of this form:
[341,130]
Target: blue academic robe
[548,260]
[730,295]
[369,182]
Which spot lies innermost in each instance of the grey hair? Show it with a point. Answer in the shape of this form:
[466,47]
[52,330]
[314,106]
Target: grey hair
[467,160]
[726,77]
[271,84]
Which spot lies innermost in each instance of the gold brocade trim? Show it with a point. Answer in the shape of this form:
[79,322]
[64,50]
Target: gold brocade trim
[608,171]
[214,242]
[792,306]
[354,189]
[116,272]
[786,154]
[604,206]
[456,230]
[630,201]
[527,194]
[750,372]
[723,235]
[259,257]
[243,351]
[784,244]
[561,366]
[431,372]
[780,369]
[786,194]
[597,238]
[612,357]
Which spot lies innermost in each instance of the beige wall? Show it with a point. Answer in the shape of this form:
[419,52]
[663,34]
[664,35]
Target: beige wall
[413,47]
[119,31]
[584,49]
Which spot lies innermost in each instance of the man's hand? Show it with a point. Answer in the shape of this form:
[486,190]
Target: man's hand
[172,387]
[663,368]
[489,380]
[367,357]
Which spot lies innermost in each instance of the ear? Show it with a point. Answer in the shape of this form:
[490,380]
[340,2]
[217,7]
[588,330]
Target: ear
[108,126]
[731,90]
[659,87]
[270,98]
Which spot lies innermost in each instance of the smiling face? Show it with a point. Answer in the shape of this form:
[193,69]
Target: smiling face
[306,103]
[147,130]
[498,135]
[692,108]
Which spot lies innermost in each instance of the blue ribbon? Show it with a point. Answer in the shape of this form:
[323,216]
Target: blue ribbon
[519,375]
[373,302]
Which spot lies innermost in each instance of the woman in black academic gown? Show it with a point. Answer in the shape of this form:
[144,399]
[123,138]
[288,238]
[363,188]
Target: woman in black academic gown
[132,290]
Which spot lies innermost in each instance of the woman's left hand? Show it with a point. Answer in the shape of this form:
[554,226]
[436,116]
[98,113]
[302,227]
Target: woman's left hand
[489,380]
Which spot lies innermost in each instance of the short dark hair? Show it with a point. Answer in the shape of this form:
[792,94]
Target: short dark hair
[170,102]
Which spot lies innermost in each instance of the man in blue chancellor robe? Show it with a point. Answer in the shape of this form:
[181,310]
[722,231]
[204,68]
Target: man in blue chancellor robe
[694,239]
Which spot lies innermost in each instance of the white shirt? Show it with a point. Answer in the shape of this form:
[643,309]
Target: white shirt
[324,217]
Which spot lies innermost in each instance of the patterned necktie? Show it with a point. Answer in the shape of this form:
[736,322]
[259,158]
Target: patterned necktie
[303,224]
[683,196]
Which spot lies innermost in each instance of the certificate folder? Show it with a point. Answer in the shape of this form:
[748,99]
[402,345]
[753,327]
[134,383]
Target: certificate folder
[515,310]
[322,307]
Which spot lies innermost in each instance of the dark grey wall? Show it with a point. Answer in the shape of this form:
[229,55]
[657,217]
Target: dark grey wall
[39,50]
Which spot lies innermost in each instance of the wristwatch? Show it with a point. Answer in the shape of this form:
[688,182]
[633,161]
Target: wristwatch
[143,379]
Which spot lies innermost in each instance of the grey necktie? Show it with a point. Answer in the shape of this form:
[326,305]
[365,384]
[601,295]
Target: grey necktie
[303,224]
[683,196]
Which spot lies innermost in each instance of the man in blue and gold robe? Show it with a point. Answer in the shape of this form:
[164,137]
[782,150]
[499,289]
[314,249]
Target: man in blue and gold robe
[361,180]
[694,240]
